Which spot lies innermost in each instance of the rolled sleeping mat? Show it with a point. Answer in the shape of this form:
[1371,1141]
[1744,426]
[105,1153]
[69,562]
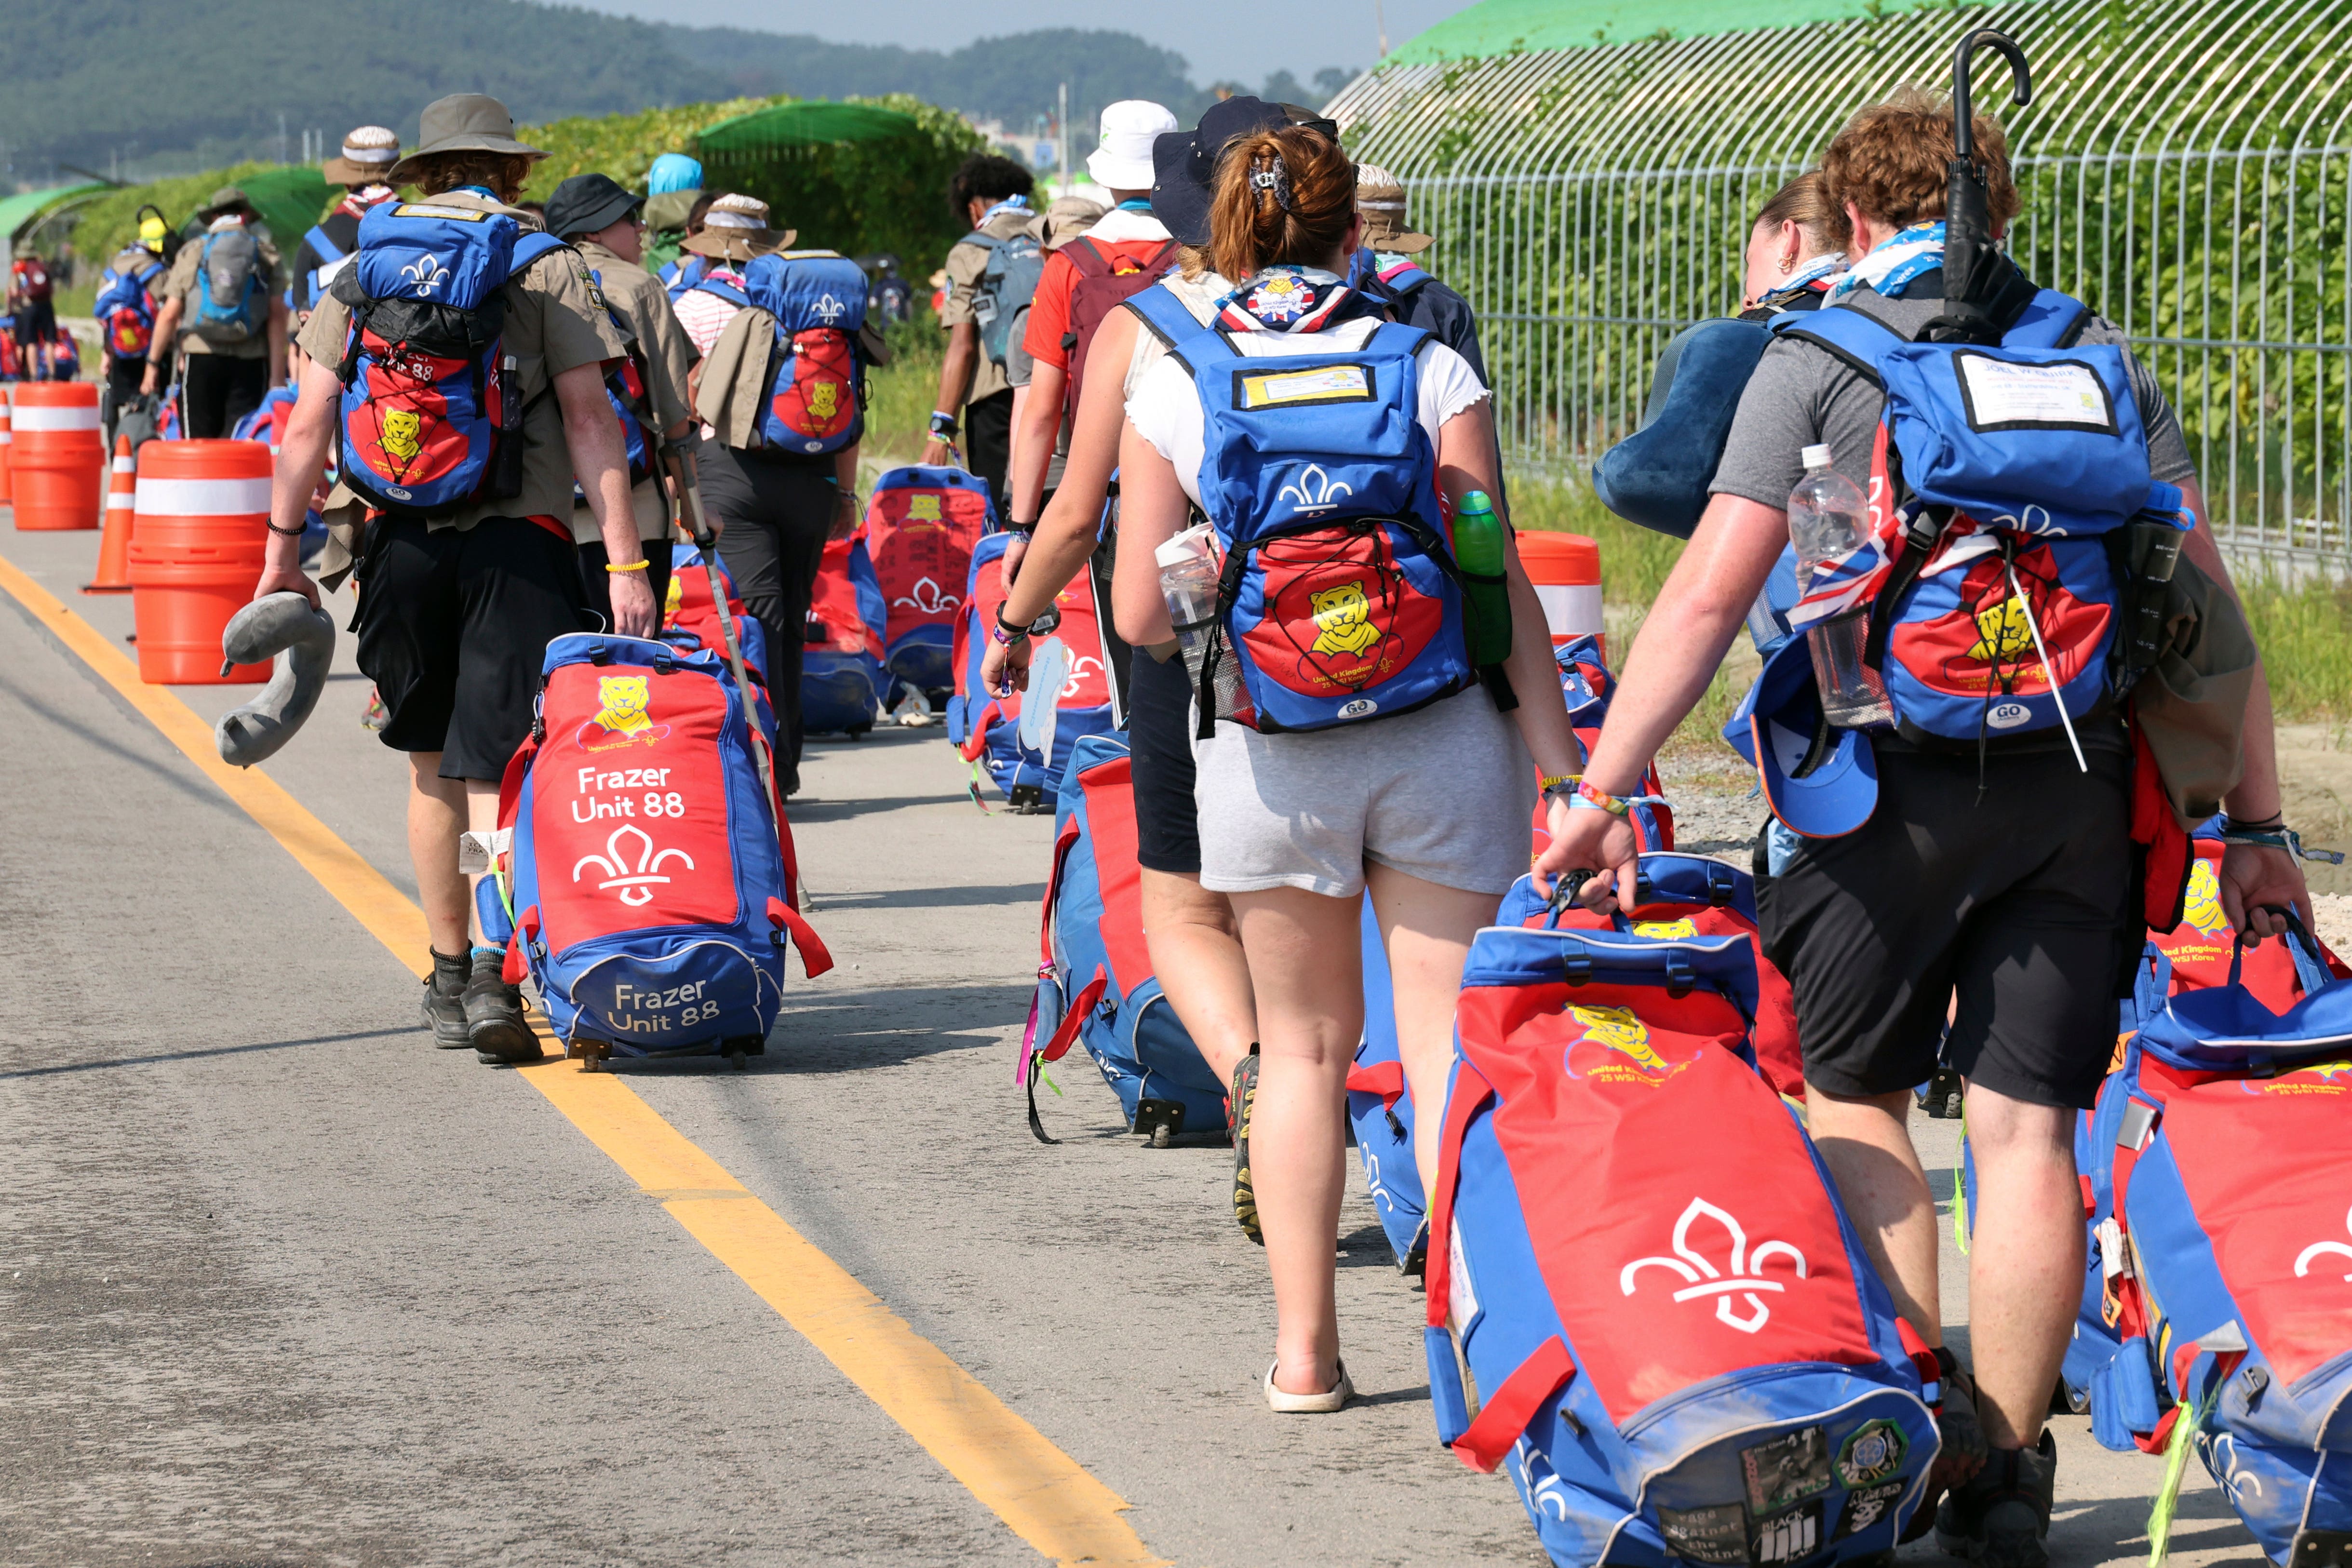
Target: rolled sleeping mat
[302,641]
[1658,476]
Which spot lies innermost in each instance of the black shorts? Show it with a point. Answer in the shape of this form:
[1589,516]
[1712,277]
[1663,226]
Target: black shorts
[35,321]
[452,626]
[1160,740]
[2024,907]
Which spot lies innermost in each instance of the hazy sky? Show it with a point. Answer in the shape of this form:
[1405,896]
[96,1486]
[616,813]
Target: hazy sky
[1217,43]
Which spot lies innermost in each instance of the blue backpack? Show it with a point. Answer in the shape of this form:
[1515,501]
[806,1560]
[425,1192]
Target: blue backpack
[1095,981]
[124,308]
[683,273]
[814,400]
[1004,735]
[651,890]
[1342,601]
[628,387]
[2018,468]
[432,410]
[313,284]
[1682,1351]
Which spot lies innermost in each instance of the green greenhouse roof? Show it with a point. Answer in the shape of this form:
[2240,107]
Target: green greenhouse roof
[18,210]
[1499,26]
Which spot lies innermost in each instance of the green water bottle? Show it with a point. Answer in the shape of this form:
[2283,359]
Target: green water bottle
[1478,551]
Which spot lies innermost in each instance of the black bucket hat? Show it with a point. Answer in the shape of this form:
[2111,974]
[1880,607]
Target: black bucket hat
[1185,162]
[586,204]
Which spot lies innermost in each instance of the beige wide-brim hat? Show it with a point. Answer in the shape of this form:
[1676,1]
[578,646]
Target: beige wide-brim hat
[735,228]
[1069,218]
[462,122]
[1379,198]
[369,153]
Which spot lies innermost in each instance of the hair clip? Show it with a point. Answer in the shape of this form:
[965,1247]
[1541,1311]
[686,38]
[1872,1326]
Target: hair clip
[1273,175]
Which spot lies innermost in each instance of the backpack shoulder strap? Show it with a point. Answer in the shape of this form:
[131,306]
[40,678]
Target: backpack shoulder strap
[1166,317]
[2050,320]
[320,245]
[1849,334]
[1088,259]
[724,291]
[530,248]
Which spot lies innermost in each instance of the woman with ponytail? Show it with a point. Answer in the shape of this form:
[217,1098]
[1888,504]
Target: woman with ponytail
[1354,742]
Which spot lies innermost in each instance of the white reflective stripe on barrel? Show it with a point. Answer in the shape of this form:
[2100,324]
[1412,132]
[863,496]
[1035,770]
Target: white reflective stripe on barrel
[1572,610]
[204,498]
[120,501]
[33,416]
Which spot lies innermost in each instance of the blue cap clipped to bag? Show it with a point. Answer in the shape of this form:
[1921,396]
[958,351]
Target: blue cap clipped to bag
[1774,727]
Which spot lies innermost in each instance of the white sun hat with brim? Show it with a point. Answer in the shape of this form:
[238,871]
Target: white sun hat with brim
[1129,127]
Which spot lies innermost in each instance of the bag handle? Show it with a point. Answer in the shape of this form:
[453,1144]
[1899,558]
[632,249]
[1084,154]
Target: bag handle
[2302,948]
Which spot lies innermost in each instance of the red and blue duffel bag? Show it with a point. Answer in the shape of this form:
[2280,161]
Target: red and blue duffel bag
[842,679]
[1026,754]
[1095,981]
[691,610]
[1683,1352]
[2219,1186]
[652,891]
[921,527]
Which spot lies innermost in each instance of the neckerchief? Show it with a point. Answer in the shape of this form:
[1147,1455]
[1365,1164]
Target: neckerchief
[1892,266]
[1010,205]
[358,202]
[1285,299]
[1136,204]
[1817,275]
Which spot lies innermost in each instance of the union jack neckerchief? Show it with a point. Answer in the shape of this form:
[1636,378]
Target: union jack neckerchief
[1286,300]
[1896,261]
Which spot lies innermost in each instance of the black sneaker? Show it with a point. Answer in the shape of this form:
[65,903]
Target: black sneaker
[494,1022]
[1962,1451]
[1999,1517]
[1245,1099]
[444,1001]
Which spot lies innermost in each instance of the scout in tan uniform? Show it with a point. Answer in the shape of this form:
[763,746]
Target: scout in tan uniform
[457,608]
[991,193]
[604,224]
[225,317]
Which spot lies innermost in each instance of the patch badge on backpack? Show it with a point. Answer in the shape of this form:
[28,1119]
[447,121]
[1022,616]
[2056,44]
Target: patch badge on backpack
[1339,616]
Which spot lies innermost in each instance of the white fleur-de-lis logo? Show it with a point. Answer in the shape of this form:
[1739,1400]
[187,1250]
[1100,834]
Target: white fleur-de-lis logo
[2319,1249]
[1313,490]
[425,275]
[1079,668]
[925,598]
[1545,1491]
[828,310]
[635,887]
[1702,1278]
[2242,1484]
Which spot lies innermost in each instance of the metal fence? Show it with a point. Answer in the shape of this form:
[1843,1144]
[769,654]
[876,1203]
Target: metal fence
[2184,168]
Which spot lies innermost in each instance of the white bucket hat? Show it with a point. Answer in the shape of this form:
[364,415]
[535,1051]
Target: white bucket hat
[1129,127]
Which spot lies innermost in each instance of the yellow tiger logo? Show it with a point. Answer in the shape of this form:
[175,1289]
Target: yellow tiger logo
[1620,1032]
[2003,632]
[923,510]
[1669,929]
[1343,619]
[2204,909]
[624,697]
[824,399]
[404,430]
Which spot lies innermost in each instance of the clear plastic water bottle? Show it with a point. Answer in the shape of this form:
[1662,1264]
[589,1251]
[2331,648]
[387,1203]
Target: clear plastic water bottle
[1189,567]
[1828,518]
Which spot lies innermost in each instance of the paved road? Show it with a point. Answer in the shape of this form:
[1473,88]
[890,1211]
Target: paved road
[279,1284]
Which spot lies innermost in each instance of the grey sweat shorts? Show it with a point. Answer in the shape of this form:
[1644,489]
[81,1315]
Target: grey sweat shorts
[1445,794]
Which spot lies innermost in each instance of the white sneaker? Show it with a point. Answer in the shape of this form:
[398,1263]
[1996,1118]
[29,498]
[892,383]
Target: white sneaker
[1323,1403]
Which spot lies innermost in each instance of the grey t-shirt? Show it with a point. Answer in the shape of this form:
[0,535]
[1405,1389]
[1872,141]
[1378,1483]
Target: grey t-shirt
[1801,396]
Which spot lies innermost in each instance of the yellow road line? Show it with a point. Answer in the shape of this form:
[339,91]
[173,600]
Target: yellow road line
[1044,1496]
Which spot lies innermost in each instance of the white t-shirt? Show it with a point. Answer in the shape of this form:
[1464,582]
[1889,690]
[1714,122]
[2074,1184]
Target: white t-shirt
[1165,406]
[1200,295]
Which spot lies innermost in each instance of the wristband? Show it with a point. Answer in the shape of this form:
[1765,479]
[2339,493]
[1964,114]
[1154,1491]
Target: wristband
[281,533]
[1007,636]
[1551,781]
[1588,799]
[943,425]
[633,566]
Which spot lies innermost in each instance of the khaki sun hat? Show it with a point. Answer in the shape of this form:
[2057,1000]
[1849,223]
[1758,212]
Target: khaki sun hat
[1379,198]
[1069,217]
[462,122]
[369,153]
[735,228]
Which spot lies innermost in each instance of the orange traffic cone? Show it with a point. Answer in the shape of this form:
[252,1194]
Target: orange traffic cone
[114,547]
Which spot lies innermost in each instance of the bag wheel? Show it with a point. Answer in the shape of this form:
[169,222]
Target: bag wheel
[592,1054]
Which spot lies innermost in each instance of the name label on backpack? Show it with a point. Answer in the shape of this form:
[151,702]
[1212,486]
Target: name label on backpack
[2007,394]
[435,210]
[1301,389]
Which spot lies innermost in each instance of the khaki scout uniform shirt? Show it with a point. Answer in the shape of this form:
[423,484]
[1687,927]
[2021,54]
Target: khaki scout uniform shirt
[644,304]
[182,284]
[966,262]
[554,324]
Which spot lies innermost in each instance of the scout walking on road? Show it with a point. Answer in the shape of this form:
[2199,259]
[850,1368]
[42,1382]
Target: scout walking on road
[991,272]
[467,566]
[1946,826]
[223,314]
[368,154]
[602,221]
